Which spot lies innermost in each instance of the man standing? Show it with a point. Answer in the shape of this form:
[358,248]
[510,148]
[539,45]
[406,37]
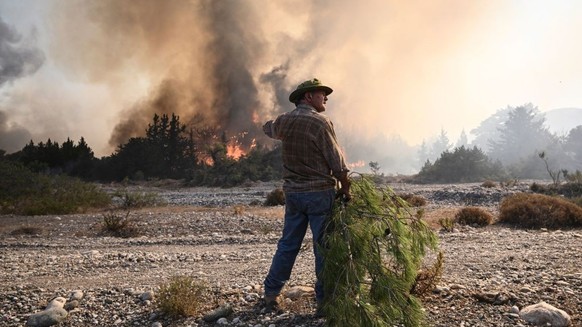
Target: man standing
[312,165]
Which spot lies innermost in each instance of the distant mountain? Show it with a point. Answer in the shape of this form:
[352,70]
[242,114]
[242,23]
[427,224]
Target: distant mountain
[561,121]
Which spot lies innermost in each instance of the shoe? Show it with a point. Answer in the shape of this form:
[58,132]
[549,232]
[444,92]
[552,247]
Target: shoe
[271,301]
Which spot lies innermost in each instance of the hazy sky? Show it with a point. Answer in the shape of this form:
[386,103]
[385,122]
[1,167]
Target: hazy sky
[100,68]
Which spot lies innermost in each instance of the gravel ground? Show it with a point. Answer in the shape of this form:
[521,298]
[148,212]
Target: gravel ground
[217,237]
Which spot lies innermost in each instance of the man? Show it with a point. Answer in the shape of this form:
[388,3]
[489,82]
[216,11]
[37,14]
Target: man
[312,165]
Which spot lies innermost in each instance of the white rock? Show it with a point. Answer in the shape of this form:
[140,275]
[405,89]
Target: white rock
[541,314]
[47,318]
[58,303]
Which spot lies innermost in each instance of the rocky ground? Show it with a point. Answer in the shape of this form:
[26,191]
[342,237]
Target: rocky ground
[217,237]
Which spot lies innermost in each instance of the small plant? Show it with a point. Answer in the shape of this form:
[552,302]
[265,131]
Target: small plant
[119,225]
[275,198]
[473,216]
[539,211]
[554,174]
[575,177]
[488,184]
[427,279]
[447,224]
[238,210]
[130,200]
[183,296]
[510,182]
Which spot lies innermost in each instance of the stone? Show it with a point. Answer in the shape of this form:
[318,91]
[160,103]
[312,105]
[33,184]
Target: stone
[298,292]
[220,312]
[222,322]
[71,305]
[46,318]
[542,314]
[157,324]
[58,302]
[76,295]
[147,296]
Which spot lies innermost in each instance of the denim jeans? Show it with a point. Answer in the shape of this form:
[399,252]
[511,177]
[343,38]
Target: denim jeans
[301,209]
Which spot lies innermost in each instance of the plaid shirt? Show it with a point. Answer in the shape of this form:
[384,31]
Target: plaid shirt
[311,152]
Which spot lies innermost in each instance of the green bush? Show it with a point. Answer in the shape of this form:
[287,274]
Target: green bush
[539,211]
[473,216]
[183,296]
[460,165]
[25,192]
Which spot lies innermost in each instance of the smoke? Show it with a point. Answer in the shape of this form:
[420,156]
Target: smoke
[231,65]
[18,57]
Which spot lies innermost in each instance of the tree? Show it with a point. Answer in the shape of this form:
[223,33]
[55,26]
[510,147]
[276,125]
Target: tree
[463,140]
[522,134]
[460,165]
[375,167]
[441,145]
[488,130]
[573,145]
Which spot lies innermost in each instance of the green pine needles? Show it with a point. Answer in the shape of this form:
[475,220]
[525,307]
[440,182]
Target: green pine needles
[374,249]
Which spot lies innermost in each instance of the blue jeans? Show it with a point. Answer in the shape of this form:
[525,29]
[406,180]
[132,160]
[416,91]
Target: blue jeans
[301,209]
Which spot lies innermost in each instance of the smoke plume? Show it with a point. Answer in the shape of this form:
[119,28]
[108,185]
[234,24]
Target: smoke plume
[18,57]
[231,65]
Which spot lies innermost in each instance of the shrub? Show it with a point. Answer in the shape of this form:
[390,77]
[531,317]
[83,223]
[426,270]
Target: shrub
[427,279]
[275,198]
[473,216]
[488,184]
[447,224]
[25,192]
[539,211]
[119,225]
[129,200]
[183,296]
[460,165]
[413,200]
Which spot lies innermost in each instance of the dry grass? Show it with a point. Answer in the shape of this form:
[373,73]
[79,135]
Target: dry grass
[539,211]
[275,198]
[413,200]
[473,216]
[183,296]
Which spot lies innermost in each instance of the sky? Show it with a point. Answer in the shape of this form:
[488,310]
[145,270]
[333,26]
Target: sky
[100,69]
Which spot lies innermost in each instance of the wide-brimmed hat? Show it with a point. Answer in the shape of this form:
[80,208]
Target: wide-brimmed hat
[307,86]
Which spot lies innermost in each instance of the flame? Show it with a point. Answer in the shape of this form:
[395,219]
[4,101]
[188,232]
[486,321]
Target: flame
[357,164]
[234,151]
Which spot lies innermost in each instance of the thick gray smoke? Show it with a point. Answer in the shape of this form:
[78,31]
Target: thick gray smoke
[17,58]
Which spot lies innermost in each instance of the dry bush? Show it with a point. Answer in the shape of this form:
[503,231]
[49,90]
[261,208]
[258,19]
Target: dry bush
[183,296]
[488,184]
[539,211]
[473,216]
[275,198]
[119,225]
[413,200]
[427,279]
[447,224]
[238,210]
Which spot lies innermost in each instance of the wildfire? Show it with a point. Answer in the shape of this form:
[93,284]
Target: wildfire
[357,164]
[234,149]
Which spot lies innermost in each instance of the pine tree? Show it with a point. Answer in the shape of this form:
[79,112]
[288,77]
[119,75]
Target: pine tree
[374,248]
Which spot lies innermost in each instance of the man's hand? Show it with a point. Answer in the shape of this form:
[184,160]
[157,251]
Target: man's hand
[268,129]
[344,191]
